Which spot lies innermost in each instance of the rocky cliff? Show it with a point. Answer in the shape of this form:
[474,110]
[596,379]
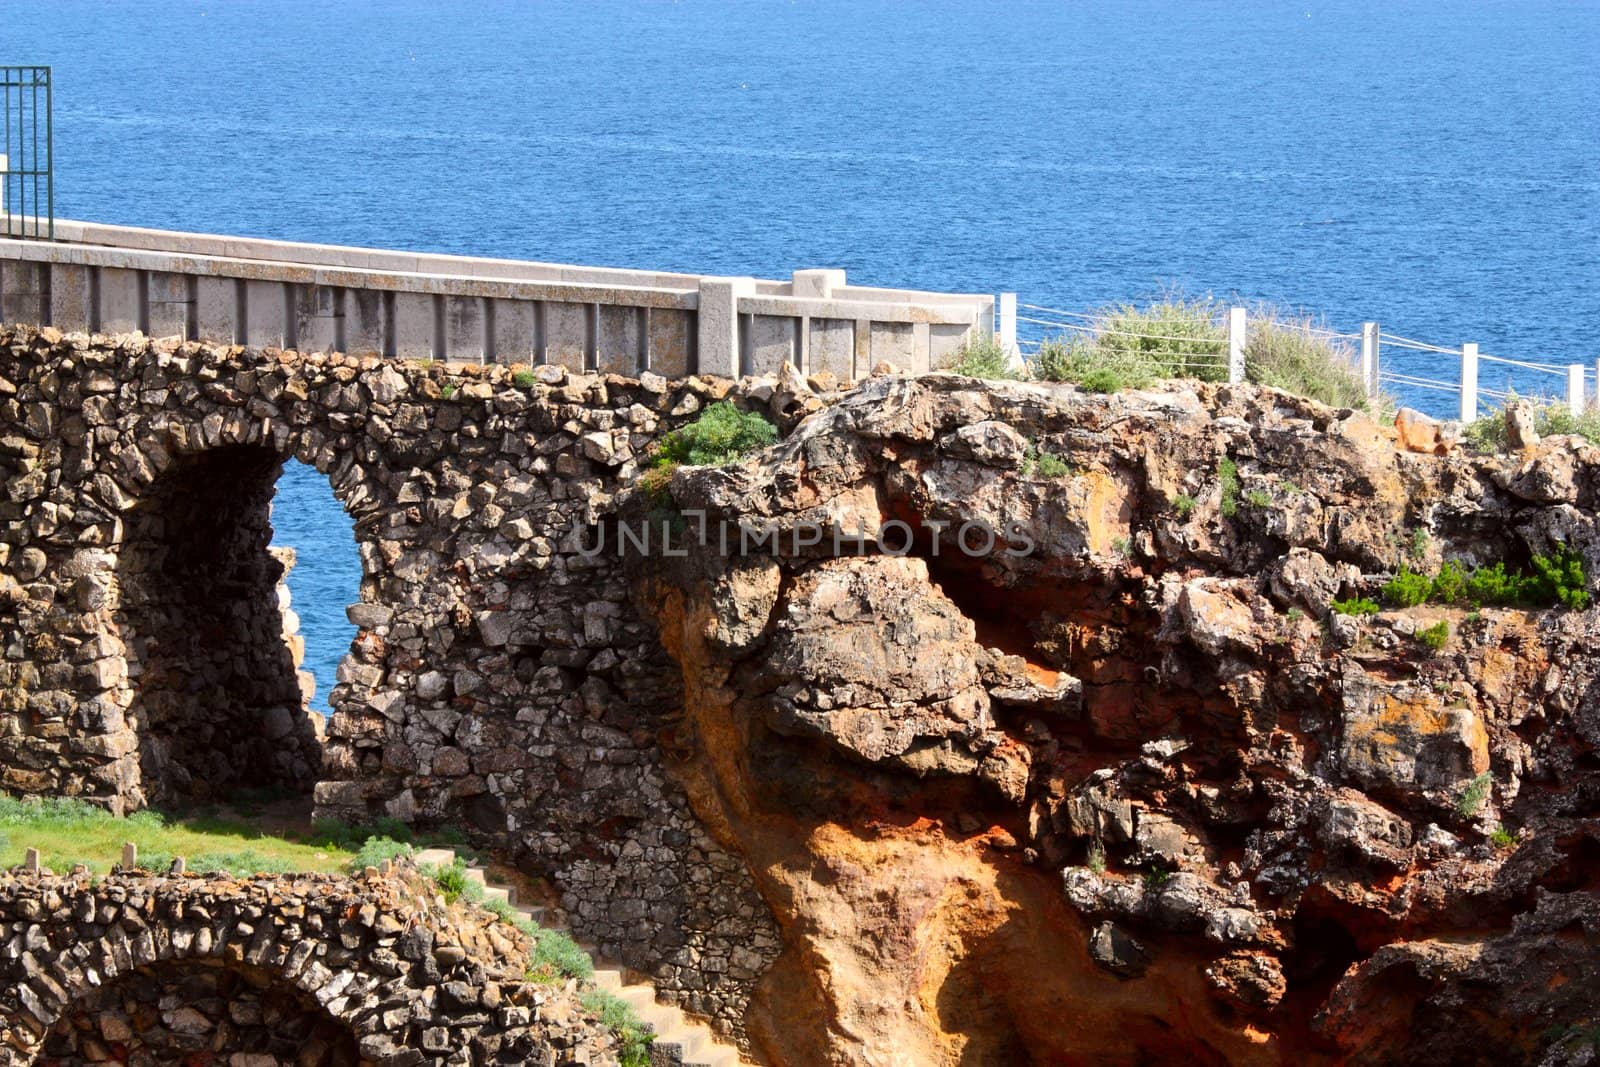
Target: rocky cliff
[1120,786]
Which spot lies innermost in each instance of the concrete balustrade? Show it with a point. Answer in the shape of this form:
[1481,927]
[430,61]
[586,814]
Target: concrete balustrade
[314,297]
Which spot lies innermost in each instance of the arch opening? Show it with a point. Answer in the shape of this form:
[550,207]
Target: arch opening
[198,1012]
[216,694]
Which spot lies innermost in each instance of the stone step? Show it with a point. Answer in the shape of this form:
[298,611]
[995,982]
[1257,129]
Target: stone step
[695,1044]
[435,857]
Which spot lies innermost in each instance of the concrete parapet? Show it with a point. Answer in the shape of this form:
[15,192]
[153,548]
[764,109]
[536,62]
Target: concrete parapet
[319,298]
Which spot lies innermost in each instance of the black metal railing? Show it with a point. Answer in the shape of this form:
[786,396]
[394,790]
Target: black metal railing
[27,183]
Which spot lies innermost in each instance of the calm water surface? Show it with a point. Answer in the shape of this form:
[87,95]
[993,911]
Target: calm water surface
[1429,165]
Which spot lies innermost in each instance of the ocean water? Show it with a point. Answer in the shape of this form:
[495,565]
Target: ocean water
[1432,165]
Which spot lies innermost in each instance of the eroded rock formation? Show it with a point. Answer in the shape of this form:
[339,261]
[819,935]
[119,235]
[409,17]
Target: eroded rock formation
[1122,787]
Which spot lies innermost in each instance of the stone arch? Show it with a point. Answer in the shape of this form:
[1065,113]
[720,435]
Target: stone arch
[209,685]
[175,1010]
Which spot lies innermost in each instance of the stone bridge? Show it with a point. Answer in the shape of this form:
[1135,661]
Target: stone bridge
[501,680]
[312,969]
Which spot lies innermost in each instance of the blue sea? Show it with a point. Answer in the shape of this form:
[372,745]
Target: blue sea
[1431,165]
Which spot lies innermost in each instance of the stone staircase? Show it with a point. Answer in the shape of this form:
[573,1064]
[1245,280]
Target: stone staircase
[679,1038]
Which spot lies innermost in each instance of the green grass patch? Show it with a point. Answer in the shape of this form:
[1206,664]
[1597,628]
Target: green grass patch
[618,1016]
[1357,606]
[523,379]
[447,390]
[1183,504]
[1502,838]
[68,831]
[1228,478]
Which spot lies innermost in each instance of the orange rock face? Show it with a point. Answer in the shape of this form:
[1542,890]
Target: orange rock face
[1139,794]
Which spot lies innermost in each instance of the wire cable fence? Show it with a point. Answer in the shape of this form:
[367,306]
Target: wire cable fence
[1390,366]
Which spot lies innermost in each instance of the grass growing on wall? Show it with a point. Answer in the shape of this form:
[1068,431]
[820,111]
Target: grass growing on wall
[1550,419]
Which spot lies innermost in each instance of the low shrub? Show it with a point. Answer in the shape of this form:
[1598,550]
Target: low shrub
[1356,606]
[1560,578]
[523,379]
[1550,419]
[722,434]
[376,850]
[1450,584]
[984,357]
[1435,637]
[1406,589]
[1044,464]
[1183,504]
[1289,353]
[1502,838]
[1474,795]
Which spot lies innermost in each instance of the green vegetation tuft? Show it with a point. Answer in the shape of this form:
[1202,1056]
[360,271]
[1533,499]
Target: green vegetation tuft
[1406,589]
[453,882]
[523,379]
[1550,419]
[1473,796]
[1228,478]
[1502,838]
[376,850]
[1183,504]
[1044,464]
[722,434]
[1357,606]
[1560,579]
[447,390]
[1096,859]
[1290,353]
[1258,498]
[1435,637]
[617,1015]
[983,357]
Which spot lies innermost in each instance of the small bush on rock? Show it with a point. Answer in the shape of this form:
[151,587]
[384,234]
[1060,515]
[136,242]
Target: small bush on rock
[618,1016]
[1357,606]
[983,357]
[1435,637]
[722,434]
[1407,589]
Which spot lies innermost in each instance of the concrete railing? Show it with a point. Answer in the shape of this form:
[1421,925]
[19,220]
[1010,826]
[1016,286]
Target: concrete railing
[324,297]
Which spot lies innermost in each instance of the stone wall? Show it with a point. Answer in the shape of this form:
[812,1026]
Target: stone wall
[310,969]
[500,680]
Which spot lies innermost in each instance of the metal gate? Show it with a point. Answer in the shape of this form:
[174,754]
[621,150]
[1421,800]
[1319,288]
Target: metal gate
[27,188]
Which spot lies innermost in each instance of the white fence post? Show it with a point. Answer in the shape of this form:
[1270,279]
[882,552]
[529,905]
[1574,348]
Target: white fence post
[1236,332]
[1469,382]
[1008,323]
[1575,396]
[1369,357]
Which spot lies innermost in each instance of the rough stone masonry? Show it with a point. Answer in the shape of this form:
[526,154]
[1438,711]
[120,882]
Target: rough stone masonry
[500,680]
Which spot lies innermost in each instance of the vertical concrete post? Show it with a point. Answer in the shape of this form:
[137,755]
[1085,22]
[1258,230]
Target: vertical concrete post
[1237,325]
[718,316]
[1575,397]
[30,861]
[1008,324]
[1469,382]
[819,283]
[1369,357]
[130,856]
